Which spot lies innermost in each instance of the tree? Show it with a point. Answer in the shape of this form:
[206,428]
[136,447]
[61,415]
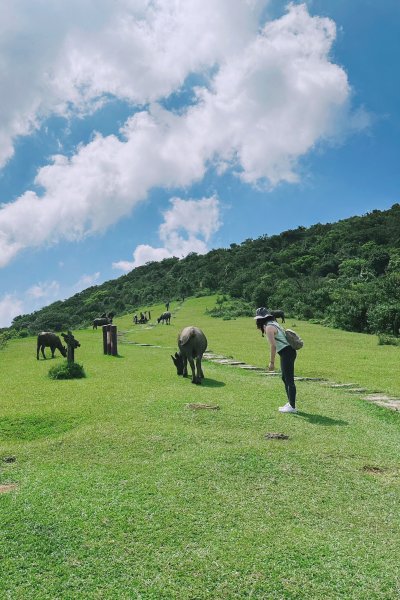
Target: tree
[385,318]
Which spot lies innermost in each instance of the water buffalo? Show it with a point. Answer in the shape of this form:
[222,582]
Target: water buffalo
[192,344]
[101,321]
[50,340]
[105,319]
[278,314]
[165,318]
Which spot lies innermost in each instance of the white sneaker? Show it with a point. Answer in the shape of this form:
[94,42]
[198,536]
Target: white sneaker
[287,408]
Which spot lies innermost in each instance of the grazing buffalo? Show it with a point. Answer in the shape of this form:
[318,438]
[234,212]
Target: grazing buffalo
[105,319]
[165,318]
[192,344]
[278,314]
[101,321]
[50,340]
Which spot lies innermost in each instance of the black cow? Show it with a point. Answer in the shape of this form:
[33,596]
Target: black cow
[105,319]
[49,340]
[101,321]
[278,314]
[165,318]
[192,344]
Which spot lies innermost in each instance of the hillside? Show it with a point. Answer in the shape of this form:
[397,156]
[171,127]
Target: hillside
[114,486]
[345,274]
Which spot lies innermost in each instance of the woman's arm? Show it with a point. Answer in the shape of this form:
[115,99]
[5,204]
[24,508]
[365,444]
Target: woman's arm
[270,332]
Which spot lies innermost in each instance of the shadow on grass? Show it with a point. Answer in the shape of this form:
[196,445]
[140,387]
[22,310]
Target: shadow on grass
[320,419]
[212,383]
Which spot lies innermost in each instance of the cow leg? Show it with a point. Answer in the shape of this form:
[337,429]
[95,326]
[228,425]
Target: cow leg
[199,369]
[42,349]
[199,372]
[191,362]
[52,348]
[185,373]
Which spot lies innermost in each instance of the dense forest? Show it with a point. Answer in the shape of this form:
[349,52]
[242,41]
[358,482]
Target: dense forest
[344,274]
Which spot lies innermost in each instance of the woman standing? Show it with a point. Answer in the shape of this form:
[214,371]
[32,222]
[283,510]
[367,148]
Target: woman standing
[266,322]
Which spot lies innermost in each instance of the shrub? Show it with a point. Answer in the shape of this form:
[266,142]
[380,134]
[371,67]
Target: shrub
[385,318]
[67,370]
[4,337]
[348,310]
[388,340]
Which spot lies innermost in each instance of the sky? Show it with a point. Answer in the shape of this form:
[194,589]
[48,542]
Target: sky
[135,130]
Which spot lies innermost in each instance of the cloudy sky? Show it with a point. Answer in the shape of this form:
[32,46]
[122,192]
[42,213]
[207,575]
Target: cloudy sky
[134,130]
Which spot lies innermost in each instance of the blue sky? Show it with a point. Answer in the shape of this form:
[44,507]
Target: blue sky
[132,131]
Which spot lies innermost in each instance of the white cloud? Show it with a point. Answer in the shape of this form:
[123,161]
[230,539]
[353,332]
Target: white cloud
[39,295]
[196,217]
[142,255]
[86,281]
[10,307]
[275,94]
[62,57]
[187,226]
[46,290]
[35,297]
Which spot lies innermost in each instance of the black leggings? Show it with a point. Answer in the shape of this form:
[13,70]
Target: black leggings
[288,356]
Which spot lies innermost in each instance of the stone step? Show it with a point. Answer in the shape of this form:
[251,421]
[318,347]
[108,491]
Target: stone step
[377,397]
[308,379]
[199,406]
[271,374]
[228,361]
[340,385]
[392,405]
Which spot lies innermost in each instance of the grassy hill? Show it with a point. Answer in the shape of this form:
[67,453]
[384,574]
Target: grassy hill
[344,274]
[123,492]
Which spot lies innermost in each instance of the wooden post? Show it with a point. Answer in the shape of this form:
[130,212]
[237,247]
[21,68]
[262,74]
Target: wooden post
[105,339]
[72,343]
[110,340]
[113,336]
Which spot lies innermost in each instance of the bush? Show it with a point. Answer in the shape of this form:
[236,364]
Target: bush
[388,340]
[348,311]
[4,337]
[67,371]
[385,318]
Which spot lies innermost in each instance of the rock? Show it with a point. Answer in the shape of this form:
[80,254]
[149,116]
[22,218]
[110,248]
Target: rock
[9,459]
[198,406]
[276,436]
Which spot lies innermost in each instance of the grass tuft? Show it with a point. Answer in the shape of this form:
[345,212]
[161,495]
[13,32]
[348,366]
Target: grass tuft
[67,371]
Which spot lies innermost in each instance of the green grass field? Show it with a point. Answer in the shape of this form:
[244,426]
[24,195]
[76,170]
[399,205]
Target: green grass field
[123,492]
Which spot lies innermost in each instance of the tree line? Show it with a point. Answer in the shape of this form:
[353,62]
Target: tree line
[344,274]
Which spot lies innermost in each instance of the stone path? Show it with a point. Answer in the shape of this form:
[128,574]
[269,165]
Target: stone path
[378,398]
[375,397]
[223,360]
